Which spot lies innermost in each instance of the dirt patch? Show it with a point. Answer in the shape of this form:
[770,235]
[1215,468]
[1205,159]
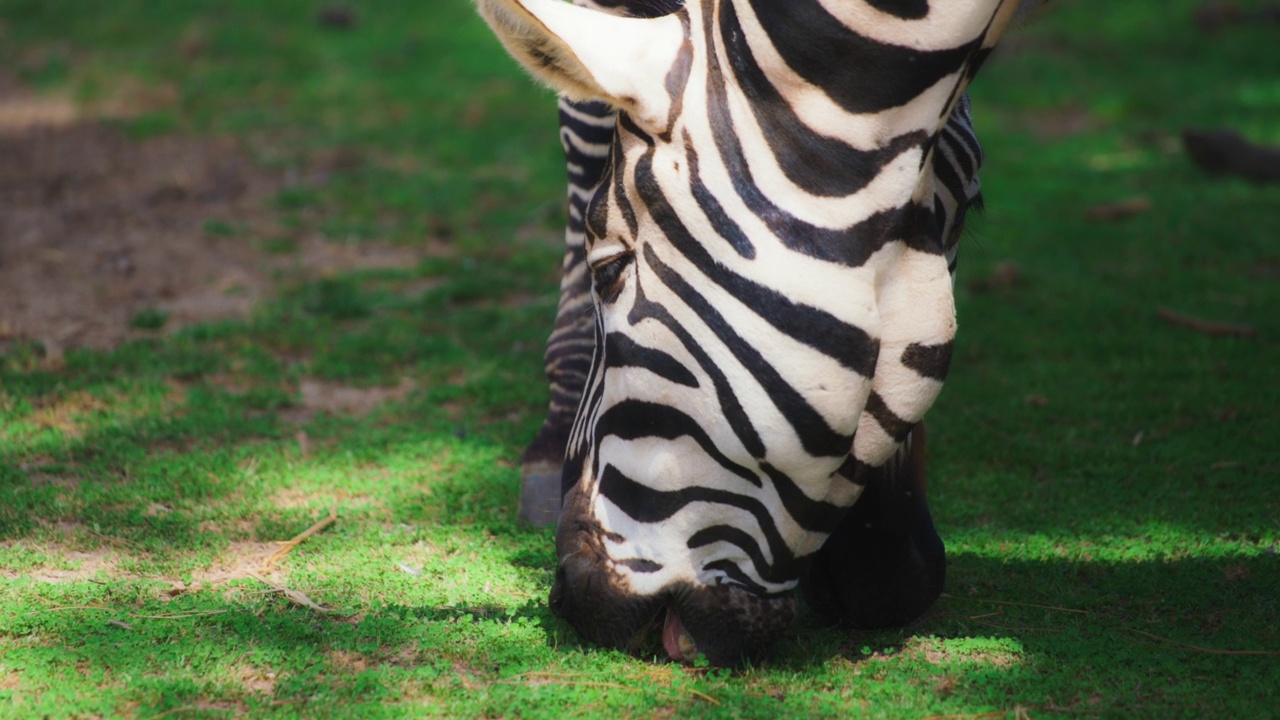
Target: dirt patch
[348,661]
[97,229]
[39,478]
[235,563]
[90,563]
[1060,122]
[21,111]
[65,414]
[317,397]
[936,654]
[256,680]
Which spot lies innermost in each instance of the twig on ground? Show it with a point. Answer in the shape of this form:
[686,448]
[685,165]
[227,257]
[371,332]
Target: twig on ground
[136,616]
[550,680]
[1197,648]
[1208,327]
[60,608]
[295,597]
[288,546]
[409,570]
[1118,210]
[1226,465]
[1018,604]
[703,696]
[178,616]
[1021,628]
[184,708]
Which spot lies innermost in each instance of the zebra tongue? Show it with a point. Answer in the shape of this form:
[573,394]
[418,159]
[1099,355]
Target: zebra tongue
[677,641]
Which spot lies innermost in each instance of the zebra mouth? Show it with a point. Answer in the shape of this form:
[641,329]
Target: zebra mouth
[676,639]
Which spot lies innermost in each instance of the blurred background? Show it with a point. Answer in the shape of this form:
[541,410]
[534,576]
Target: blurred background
[261,259]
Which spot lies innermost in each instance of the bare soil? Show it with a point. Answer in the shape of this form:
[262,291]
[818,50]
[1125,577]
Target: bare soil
[96,227]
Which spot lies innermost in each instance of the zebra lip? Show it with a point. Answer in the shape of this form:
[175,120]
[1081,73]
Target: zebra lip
[677,641]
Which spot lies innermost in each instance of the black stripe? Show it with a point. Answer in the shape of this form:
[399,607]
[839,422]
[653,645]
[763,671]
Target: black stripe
[812,515]
[647,505]
[619,172]
[820,165]
[634,419]
[575,364]
[731,569]
[929,361]
[939,207]
[816,436]
[643,8]
[721,223]
[850,246]
[622,351]
[678,77]
[953,140]
[597,215]
[945,172]
[641,565]
[589,133]
[979,58]
[780,571]
[626,123]
[850,67]
[732,409]
[587,410]
[894,426]
[905,9]
[816,328]
[848,344]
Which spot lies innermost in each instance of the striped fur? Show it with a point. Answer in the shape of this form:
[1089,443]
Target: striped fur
[767,225]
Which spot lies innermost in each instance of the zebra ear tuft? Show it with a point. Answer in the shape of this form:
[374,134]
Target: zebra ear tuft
[587,54]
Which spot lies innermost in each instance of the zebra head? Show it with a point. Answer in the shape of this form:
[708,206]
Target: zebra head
[773,299]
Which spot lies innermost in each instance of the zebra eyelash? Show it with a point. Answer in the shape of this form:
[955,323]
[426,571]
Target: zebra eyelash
[607,275]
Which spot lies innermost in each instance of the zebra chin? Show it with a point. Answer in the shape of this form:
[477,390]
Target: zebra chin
[726,624]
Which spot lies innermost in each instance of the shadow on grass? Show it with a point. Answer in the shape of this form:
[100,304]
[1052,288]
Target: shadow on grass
[1147,637]
[1076,636]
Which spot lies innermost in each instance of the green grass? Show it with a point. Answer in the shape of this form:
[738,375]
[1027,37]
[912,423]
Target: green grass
[1103,478]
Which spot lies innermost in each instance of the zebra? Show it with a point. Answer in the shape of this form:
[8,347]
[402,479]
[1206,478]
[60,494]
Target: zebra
[765,201]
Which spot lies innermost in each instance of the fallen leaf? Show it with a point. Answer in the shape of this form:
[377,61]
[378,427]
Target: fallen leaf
[1118,210]
[1003,276]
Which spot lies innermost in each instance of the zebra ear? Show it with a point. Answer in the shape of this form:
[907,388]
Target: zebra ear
[588,54]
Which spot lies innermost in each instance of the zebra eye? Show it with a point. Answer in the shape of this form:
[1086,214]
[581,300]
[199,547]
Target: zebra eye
[607,275]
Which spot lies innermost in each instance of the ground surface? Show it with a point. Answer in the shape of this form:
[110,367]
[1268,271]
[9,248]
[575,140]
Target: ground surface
[100,226]
[261,264]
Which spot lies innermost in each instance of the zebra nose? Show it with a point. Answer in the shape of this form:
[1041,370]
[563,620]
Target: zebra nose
[573,576]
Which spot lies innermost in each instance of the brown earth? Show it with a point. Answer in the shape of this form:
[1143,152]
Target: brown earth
[96,227]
